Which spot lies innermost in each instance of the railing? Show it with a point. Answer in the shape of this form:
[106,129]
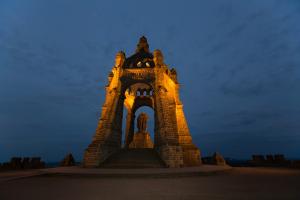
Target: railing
[138,74]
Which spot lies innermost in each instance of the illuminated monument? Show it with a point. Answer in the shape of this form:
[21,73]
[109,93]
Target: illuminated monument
[143,79]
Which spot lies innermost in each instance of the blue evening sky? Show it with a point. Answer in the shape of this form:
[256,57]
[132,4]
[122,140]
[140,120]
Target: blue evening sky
[238,63]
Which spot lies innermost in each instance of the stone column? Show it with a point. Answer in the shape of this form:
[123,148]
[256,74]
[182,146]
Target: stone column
[130,118]
[108,136]
[116,136]
[167,138]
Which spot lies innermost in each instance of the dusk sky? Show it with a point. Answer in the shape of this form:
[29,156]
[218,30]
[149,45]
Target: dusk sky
[238,63]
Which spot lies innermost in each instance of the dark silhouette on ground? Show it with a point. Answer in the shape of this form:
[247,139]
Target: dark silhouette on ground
[68,161]
[19,163]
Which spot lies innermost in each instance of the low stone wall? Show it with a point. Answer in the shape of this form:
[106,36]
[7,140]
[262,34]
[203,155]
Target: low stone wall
[269,160]
[18,163]
[172,155]
[180,156]
[295,164]
[96,154]
[215,159]
[191,156]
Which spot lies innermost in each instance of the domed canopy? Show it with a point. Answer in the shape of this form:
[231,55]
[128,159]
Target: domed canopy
[142,57]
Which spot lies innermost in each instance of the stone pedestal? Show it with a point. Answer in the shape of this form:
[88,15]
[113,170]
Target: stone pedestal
[172,155]
[96,154]
[191,155]
[141,140]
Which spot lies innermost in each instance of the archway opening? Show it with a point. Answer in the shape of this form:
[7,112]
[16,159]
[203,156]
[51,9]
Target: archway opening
[124,120]
[138,99]
[150,123]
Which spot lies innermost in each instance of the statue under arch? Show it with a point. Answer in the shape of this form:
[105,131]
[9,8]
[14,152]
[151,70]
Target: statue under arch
[143,79]
[141,138]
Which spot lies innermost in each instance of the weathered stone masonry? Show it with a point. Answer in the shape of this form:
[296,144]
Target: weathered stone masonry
[143,80]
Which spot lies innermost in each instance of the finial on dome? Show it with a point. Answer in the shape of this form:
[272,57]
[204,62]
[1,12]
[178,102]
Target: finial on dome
[142,45]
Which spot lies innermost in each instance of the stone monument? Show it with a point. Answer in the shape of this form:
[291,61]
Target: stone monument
[143,79]
[141,139]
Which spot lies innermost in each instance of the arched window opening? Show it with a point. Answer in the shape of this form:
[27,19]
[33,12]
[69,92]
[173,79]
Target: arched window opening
[150,123]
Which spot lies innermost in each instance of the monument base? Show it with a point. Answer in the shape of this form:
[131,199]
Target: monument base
[141,140]
[180,156]
[96,154]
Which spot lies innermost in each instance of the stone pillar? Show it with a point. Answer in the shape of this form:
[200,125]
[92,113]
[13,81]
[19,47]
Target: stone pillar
[108,136]
[167,140]
[191,154]
[173,139]
[116,136]
[130,118]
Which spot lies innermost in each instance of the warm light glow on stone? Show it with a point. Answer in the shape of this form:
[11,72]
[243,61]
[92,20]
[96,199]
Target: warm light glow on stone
[143,80]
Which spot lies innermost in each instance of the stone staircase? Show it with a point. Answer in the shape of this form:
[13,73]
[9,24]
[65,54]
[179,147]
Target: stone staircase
[91,155]
[134,158]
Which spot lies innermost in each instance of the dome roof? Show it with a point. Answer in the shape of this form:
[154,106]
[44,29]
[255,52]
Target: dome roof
[142,57]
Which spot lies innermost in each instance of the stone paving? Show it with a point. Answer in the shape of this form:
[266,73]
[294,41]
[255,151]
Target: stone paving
[233,184]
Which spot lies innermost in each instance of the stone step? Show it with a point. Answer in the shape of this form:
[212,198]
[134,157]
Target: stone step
[134,158]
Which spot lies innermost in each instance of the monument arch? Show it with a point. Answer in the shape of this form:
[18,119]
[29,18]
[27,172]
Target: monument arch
[143,79]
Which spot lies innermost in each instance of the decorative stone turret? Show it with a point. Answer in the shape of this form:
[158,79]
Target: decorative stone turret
[158,58]
[142,45]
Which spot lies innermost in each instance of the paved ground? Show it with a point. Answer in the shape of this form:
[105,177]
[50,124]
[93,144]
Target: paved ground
[150,172]
[238,183]
[13,175]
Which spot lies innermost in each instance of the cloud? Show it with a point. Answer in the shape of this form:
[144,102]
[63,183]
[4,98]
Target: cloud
[243,89]
[237,62]
[246,119]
